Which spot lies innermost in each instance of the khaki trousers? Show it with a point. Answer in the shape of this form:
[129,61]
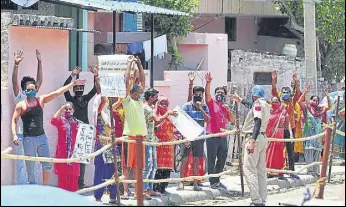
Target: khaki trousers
[255,170]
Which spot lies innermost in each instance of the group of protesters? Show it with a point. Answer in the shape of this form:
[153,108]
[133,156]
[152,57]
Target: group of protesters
[146,114]
[294,117]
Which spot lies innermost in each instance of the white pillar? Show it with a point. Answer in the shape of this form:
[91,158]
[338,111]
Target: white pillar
[84,51]
[310,46]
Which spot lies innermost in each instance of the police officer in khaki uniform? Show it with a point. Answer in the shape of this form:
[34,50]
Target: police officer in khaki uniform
[256,145]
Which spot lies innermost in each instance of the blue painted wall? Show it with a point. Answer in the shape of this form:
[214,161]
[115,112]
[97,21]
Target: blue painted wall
[129,20]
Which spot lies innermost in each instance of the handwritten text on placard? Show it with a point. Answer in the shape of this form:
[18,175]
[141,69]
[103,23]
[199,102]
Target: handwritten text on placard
[84,142]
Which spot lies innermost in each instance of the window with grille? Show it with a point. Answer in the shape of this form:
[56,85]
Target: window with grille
[8,4]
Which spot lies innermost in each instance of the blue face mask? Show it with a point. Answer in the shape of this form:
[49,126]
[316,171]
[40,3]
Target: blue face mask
[285,96]
[220,98]
[30,93]
[141,97]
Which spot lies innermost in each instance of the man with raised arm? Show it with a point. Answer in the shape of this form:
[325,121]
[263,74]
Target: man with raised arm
[34,138]
[80,103]
[135,124]
[199,112]
[220,115]
[19,95]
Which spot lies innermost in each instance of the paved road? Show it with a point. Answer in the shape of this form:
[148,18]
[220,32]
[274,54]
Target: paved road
[331,193]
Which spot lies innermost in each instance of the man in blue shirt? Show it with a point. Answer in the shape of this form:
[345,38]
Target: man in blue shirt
[199,112]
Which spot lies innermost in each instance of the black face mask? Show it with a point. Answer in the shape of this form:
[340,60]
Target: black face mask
[78,93]
[197,98]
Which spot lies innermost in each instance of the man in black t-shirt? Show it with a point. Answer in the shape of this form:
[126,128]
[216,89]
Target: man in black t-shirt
[80,103]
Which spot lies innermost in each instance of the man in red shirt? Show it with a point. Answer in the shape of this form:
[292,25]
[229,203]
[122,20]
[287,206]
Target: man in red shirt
[217,147]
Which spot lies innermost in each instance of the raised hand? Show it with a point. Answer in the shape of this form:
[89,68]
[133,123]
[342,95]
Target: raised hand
[295,76]
[76,71]
[326,91]
[208,77]
[138,60]
[18,57]
[274,75]
[79,82]
[192,76]
[38,56]
[131,59]
[94,69]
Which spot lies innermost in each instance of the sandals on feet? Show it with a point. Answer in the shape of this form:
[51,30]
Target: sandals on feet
[126,196]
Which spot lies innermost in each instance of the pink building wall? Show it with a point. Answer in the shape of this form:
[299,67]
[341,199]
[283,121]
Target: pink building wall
[195,46]
[54,48]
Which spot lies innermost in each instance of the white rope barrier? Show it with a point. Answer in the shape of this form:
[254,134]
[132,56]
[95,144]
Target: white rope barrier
[99,186]
[301,170]
[55,160]
[178,141]
[297,139]
[5,155]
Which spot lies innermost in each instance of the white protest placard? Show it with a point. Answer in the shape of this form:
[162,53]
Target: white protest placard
[84,142]
[112,70]
[188,127]
[113,85]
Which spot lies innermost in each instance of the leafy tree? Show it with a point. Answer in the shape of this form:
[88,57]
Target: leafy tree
[175,27]
[330,27]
